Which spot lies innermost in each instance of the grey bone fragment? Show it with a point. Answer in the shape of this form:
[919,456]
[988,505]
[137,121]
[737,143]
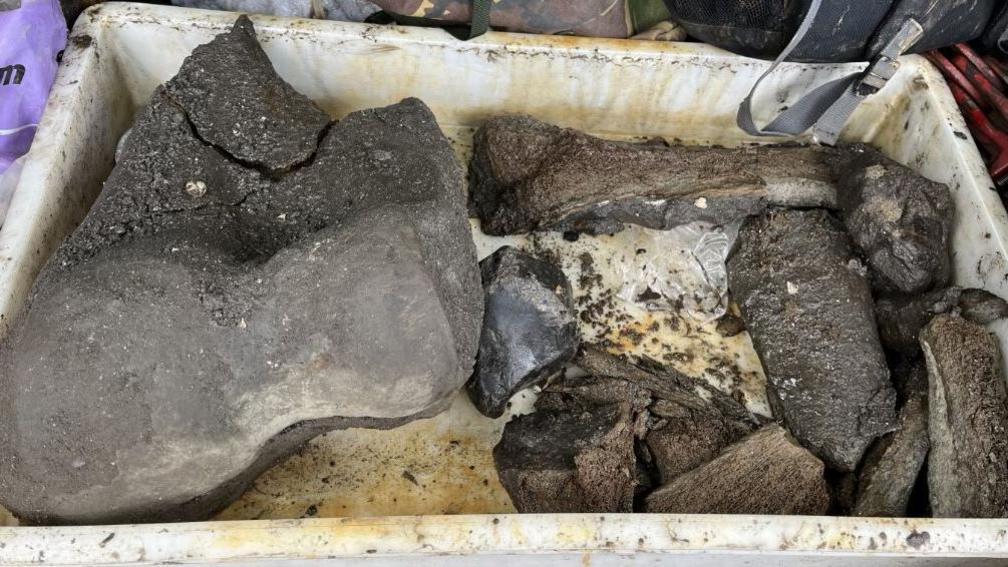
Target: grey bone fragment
[901,222]
[664,383]
[690,423]
[235,100]
[764,473]
[569,459]
[894,462]
[809,310]
[577,451]
[968,424]
[901,317]
[529,175]
[689,434]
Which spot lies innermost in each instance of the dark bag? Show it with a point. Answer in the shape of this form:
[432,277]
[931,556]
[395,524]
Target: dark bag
[878,31]
[996,36]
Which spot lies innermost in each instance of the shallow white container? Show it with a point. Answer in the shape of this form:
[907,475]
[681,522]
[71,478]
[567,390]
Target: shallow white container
[120,52]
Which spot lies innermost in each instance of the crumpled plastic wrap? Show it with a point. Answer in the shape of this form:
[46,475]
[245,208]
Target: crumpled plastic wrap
[682,269]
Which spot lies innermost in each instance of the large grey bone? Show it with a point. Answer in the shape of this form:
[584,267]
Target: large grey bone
[528,175]
[210,314]
[809,310]
[968,464]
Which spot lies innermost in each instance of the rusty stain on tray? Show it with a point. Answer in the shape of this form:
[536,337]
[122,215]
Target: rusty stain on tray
[441,465]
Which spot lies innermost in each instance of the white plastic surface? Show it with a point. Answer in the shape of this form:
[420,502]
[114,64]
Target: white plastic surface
[622,89]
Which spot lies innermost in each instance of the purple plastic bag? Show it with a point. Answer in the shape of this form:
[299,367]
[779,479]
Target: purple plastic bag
[31,37]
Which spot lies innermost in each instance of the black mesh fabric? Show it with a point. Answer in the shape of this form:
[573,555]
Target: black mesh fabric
[759,28]
[752,14]
[844,30]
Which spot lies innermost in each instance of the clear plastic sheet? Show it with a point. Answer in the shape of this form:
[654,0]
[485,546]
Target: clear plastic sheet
[682,269]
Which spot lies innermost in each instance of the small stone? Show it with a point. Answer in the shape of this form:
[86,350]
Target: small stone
[765,473]
[195,189]
[968,463]
[529,330]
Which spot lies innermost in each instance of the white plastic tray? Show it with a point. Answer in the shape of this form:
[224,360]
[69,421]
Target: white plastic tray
[120,52]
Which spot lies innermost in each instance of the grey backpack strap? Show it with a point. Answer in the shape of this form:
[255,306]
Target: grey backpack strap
[828,107]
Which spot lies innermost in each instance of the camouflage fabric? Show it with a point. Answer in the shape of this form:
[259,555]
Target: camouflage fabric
[594,18]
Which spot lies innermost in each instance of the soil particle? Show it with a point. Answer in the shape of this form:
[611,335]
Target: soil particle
[918,539]
[730,325]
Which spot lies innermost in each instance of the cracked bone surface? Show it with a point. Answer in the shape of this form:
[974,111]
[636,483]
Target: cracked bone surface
[230,296]
[764,473]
